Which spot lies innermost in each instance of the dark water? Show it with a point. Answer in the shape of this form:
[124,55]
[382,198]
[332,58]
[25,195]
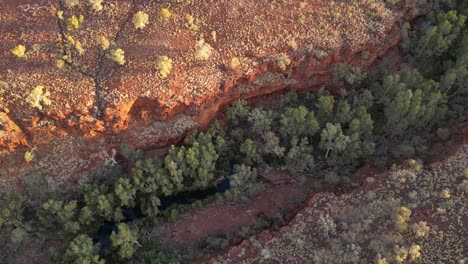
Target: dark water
[130,214]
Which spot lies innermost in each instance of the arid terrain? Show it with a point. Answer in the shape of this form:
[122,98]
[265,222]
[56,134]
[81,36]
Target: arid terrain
[233,131]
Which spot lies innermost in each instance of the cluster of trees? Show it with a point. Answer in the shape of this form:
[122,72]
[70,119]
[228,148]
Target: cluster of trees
[437,46]
[184,168]
[299,133]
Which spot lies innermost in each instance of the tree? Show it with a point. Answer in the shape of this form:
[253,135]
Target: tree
[86,216]
[11,209]
[150,205]
[126,192]
[157,177]
[125,240]
[362,124]
[363,98]
[238,112]
[251,151]
[195,164]
[410,101]
[243,182]
[201,161]
[453,80]
[68,216]
[55,212]
[260,121]
[298,122]
[290,99]
[81,250]
[343,112]
[13,227]
[299,156]
[243,176]
[105,205]
[438,38]
[272,145]
[333,139]
[325,107]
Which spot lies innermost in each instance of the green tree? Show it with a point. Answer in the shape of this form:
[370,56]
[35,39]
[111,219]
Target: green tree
[251,152]
[108,208]
[333,139]
[410,101]
[195,164]
[243,183]
[362,124]
[150,205]
[272,145]
[55,212]
[125,240]
[325,107]
[238,112]
[18,235]
[438,38]
[153,177]
[68,217]
[260,121]
[299,157]
[343,112]
[81,250]
[363,98]
[243,177]
[290,99]
[126,192]
[86,216]
[11,210]
[298,122]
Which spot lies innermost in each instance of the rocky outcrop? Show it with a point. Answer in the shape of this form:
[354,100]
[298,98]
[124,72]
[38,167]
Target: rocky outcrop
[220,51]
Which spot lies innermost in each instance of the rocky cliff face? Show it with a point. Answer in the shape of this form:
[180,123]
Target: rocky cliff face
[220,51]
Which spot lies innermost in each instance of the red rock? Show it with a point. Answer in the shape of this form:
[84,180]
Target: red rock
[125,104]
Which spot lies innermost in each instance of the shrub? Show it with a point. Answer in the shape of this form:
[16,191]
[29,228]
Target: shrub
[71,3]
[28,156]
[164,65]
[19,51]
[234,63]
[96,5]
[74,22]
[117,55]
[140,20]
[37,98]
[104,42]
[204,50]
[165,13]
[131,153]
